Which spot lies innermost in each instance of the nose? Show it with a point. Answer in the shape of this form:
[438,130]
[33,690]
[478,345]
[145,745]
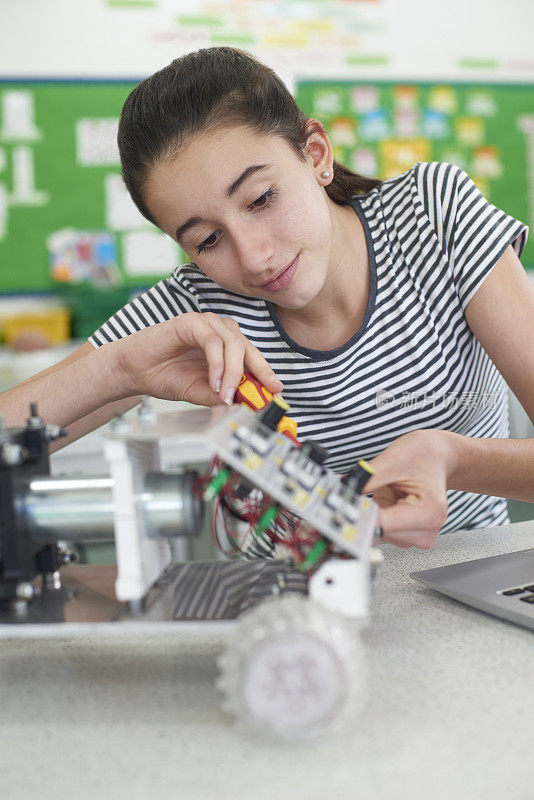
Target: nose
[254,249]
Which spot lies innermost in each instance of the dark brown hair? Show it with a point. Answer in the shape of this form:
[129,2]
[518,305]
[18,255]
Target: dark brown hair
[211,88]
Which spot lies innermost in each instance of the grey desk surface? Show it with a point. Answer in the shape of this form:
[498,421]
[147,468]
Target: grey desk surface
[450,712]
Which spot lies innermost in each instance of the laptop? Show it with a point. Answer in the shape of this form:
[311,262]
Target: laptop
[500,585]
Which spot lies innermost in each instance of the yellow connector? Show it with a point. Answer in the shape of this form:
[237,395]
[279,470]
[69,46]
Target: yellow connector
[253,462]
[300,498]
[348,532]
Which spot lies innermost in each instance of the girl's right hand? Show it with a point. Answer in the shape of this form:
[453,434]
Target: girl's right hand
[197,357]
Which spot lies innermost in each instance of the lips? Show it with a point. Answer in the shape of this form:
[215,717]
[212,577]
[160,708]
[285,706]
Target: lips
[284,278]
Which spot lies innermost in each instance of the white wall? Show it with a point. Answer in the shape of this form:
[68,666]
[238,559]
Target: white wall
[419,38]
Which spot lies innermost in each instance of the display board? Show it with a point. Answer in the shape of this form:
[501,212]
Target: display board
[63,203]
[62,200]
[383,128]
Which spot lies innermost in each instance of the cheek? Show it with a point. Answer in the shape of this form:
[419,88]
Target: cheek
[305,220]
[224,271]
[318,224]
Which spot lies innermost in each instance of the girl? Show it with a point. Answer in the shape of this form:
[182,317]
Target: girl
[392,312]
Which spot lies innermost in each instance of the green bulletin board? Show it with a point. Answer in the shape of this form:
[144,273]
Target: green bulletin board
[45,184]
[382,129]
[48,185]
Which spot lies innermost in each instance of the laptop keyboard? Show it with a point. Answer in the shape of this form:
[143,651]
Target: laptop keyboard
[526,592]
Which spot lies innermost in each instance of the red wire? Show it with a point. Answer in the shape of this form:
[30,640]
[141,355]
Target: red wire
[287,530]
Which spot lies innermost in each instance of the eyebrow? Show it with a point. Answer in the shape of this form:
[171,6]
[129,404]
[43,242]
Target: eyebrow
[232,189]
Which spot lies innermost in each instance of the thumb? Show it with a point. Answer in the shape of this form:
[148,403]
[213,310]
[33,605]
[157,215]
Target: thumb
[414,520]
[405,515]
[385,471]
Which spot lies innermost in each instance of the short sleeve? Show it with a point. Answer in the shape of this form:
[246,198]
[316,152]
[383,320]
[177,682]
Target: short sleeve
[167,299]
[473,233]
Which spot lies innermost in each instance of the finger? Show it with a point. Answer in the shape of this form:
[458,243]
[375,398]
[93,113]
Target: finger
[211,341]
[241,355]
[214,352]
[207,332]
[200,393]
[409,523]
[230,368]
[231,323]
[255,361]
[234,359]
[384,474]
[261,369]
[410,514]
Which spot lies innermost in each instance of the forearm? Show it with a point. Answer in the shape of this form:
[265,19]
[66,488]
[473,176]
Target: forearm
[500,467]
[67,394]
[93,421]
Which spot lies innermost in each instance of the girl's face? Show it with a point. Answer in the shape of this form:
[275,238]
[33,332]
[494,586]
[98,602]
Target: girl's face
[252,215]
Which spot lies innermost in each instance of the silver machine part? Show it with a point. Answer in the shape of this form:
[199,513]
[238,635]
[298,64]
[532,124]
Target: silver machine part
[79,508]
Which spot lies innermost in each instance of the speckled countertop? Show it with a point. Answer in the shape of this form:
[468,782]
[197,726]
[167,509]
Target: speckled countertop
[449,715]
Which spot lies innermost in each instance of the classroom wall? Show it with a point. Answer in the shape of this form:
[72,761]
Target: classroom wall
[73,63]
[454,40]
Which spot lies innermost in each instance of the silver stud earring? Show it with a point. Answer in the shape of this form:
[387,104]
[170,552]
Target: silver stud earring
[325,174]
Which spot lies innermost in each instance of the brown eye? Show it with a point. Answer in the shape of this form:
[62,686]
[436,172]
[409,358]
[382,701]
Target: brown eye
[264,200]
[260,201]
[210,242]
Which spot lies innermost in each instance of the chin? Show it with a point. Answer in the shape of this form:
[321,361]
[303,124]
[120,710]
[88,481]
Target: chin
[297,302]
[307,293]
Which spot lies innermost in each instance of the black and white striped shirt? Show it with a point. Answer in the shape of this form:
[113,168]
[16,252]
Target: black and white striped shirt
[414,363]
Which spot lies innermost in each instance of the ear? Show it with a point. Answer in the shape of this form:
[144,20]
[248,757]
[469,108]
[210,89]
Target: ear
[318,150]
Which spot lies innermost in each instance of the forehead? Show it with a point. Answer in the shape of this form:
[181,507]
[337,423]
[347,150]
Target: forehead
[226,147]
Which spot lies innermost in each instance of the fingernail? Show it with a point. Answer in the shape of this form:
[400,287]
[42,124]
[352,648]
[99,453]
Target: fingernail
[218,385]
[228,397]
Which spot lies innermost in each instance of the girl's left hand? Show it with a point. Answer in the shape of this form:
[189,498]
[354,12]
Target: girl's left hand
[410,487]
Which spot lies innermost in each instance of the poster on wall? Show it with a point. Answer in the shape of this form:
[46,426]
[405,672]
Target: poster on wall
[65,214]
[382,129]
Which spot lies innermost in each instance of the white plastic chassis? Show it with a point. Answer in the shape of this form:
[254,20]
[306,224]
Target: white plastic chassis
[168,441]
